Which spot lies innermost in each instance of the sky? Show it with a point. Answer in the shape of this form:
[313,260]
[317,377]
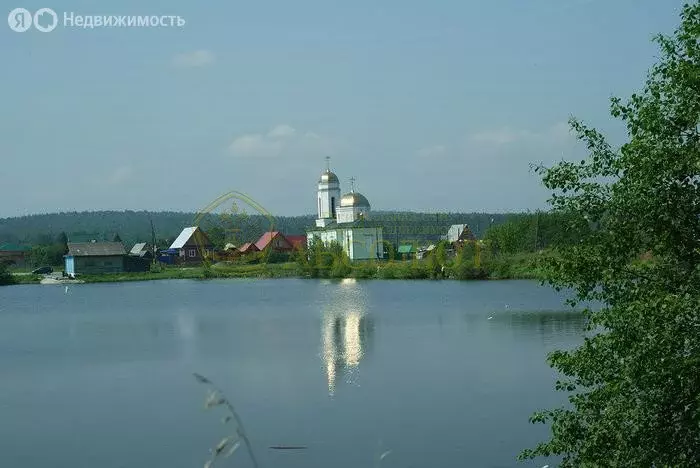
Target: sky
[431,106]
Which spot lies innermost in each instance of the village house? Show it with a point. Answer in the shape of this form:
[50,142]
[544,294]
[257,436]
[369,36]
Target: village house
[192,246]
[458,233]
[278,242]
[247,248]
[89,258]
[14,255]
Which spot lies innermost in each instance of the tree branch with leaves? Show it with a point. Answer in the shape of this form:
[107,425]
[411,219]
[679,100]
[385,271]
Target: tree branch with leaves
[634,383]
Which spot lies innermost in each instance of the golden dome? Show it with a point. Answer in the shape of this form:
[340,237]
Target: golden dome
[354,199]
[328,177]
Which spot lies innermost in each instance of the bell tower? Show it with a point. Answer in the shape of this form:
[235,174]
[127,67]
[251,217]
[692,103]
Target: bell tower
[328,196]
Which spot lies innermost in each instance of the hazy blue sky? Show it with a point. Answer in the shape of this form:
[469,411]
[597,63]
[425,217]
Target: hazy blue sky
[434,106]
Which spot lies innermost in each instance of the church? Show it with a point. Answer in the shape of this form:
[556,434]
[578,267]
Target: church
[345,220]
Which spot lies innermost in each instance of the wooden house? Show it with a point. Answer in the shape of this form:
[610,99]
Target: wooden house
[14,254]
[89,258]
[192,246]
[278,242]
[247,248]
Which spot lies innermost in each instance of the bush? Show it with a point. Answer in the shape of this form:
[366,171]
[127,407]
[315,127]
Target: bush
[365,270]
[208,272]
[340,268]
[5,276]
[463,271]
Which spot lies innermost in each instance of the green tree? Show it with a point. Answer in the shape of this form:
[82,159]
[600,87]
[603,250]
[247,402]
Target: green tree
[217,236]
[5,276]
[63,238]
[510,237]
[340,267]
[390,251]
[634,383]
[117,238]
[300,256]
[63,241]
[322,257]
[38,256]
[441,253]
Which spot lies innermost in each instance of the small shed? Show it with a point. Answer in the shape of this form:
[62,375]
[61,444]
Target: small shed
[90,258]
[142,249]
[139,258]
[406,251]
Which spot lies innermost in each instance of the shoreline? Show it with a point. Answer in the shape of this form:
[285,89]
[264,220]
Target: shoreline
[521,267]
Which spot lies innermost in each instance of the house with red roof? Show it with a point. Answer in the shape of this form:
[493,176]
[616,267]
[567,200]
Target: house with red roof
[247,248]
[278,242]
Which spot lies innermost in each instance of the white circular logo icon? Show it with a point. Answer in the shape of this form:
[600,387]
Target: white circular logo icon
[20,19]
[45,19]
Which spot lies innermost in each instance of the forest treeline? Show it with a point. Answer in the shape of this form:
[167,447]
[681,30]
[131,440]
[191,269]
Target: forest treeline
[505,234]
[135,226]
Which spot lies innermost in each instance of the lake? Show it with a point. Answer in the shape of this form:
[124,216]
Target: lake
[436,373]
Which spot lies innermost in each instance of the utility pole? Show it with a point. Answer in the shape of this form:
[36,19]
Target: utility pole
[153,238]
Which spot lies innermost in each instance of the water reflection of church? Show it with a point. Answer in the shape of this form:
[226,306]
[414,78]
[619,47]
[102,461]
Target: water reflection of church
[345,333]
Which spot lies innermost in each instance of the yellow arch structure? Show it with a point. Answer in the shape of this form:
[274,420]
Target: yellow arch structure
[235,195]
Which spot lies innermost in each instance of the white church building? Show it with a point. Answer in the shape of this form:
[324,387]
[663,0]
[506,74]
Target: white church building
[345,220]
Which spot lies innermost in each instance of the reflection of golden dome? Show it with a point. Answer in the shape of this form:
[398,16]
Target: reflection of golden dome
[352,340]
[327,177]
[354,199]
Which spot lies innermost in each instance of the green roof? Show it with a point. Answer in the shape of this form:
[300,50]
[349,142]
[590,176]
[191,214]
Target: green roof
[15,248]
[405,248]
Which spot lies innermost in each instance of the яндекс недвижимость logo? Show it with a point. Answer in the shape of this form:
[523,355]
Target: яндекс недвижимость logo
[46,20]
[21,19]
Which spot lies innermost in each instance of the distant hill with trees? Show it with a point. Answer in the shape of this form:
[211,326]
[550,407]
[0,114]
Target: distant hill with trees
[135,226]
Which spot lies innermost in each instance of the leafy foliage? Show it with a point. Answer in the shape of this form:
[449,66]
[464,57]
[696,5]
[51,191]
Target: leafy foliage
[41,255]
[531,232]
[5,276]
[468,263]
[634,383]
[321,261]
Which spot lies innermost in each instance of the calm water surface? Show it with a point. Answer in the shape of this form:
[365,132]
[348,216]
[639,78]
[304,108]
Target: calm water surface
[101,375]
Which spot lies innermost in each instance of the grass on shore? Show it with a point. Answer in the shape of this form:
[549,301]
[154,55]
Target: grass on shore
[274,270]
[518,266]
[26,279]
